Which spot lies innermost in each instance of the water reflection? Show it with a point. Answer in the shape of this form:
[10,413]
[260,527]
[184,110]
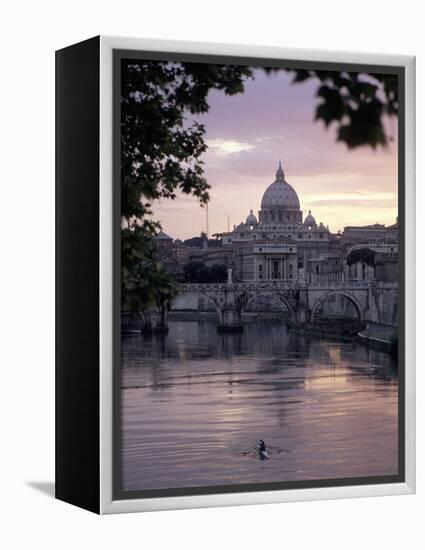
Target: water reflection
[194,399]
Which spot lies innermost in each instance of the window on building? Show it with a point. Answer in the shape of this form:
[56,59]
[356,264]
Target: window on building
[260,268]
[320,235]
[290,250]
[300,235]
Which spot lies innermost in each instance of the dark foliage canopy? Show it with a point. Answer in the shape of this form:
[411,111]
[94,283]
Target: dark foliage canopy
[197,242]
[197,272]
[364,255]
[356,103]
[160,155]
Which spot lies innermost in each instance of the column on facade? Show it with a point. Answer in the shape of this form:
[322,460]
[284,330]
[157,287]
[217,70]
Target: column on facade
[359,271]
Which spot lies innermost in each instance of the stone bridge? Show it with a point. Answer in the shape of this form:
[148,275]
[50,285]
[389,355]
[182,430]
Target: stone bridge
[367,300]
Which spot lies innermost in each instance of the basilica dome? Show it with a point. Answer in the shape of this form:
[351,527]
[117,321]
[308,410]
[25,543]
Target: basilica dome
[280,194]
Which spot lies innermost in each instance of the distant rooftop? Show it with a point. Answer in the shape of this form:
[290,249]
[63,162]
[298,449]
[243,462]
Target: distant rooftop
[373,226]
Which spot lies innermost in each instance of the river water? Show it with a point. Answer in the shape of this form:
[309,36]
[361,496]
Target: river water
[194,401]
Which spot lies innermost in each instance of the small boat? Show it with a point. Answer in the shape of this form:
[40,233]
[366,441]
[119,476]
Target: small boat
[262,450]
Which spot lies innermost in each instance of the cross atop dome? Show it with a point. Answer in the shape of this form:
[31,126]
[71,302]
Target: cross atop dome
[280,174]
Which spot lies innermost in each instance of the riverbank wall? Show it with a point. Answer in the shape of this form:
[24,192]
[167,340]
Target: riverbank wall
[377,337]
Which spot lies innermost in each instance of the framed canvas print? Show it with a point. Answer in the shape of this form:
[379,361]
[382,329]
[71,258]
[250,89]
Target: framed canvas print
[234,274]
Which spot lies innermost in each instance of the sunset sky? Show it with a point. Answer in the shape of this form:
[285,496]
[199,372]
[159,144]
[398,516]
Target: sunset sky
[273,120]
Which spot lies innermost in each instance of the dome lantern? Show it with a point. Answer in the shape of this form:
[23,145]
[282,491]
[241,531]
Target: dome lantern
[280,174]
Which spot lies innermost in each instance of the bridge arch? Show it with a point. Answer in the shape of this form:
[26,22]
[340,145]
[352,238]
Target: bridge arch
[319,301]
[252,296]
[189,301]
